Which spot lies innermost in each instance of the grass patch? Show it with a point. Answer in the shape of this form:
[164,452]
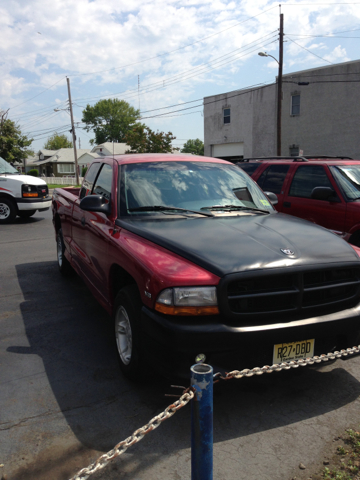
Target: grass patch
[347,459]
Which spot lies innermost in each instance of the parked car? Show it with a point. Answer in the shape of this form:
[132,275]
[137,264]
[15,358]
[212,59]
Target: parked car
[20,194]
[324,190]
[189,257]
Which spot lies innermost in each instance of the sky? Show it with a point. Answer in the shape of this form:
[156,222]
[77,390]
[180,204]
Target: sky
[157,55]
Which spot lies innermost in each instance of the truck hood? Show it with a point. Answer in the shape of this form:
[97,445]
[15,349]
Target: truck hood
[25,179]
[232,244]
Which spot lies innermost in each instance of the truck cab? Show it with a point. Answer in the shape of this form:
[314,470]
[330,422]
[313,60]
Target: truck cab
[20,195]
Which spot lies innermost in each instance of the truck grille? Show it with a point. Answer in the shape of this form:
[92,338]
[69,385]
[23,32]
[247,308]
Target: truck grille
[43,191]
[291,294]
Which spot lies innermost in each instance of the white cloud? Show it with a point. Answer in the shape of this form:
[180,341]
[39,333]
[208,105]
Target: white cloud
[337,55]
[103,36]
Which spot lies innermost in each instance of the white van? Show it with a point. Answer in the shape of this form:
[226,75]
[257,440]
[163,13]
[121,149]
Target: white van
[20,195]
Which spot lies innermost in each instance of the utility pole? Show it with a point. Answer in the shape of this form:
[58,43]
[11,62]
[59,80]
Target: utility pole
[73,133]
[279,91]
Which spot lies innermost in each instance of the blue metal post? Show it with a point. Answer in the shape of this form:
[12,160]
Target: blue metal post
[202,423]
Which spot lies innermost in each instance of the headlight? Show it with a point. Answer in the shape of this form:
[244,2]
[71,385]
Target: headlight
[188,301]
[29,191]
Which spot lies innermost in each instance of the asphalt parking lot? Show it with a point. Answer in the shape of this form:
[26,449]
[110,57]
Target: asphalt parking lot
[64,402]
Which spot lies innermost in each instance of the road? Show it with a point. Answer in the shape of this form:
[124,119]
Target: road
[64,402]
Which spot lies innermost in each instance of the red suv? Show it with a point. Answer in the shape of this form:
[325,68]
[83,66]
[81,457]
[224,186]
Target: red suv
[323,190]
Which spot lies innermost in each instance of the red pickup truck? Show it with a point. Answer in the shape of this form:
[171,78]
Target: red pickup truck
[188,256]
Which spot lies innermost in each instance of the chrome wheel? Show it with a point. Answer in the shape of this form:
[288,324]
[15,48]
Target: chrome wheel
[4,211]
[123,334]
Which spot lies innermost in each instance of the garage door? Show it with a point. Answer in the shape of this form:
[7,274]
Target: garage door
[228,150]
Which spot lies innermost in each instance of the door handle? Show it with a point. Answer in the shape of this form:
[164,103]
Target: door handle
[83,221]
[287,204]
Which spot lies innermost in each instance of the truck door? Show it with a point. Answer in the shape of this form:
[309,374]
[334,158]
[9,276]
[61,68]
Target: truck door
[298,201]
[92,237]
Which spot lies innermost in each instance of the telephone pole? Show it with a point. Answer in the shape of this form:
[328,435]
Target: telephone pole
[73,133]
[279,90]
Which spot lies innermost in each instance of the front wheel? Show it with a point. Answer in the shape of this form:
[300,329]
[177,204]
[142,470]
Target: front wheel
[128,335]
[26,213]
[7,210]
[63,263]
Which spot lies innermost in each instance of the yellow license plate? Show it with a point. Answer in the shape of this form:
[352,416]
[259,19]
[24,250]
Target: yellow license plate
[285,352]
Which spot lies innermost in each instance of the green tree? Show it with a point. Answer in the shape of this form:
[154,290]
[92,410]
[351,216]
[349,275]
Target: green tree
[141,139]
[110,120]
[13,144]
[56,141]
[196,147]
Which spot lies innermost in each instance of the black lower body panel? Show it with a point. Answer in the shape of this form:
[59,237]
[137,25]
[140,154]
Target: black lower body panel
[172,344]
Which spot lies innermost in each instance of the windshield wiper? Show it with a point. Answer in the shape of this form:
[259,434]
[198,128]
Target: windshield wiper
[162,208]
[9,173]
[234,207]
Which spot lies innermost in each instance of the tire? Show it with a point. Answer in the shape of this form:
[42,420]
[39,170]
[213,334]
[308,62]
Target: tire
[7,210]
[128,337]
[63,263]
[26,213]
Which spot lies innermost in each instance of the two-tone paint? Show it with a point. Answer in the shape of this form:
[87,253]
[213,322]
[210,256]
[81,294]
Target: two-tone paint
[156,252]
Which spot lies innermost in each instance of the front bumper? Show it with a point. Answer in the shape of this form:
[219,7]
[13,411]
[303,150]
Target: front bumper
[173,343]
[41,204]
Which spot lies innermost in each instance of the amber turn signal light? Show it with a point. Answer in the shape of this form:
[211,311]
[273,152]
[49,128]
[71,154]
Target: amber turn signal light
[30,194]
[171,310]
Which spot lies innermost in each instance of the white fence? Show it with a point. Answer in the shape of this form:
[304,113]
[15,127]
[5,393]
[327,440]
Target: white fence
[61,180]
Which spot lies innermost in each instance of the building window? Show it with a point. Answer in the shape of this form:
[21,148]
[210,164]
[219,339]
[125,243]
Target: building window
[226,115]
[66,168]
[295,104]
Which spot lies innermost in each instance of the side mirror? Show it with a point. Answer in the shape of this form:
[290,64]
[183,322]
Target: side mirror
[96,203]
[323,193]
[272,197]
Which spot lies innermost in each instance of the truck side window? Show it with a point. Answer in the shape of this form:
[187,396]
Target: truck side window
[306,178]
[272,179]
[103,182]
[249,168]
[89,179]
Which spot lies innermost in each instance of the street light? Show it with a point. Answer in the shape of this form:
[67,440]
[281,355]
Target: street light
[264,54]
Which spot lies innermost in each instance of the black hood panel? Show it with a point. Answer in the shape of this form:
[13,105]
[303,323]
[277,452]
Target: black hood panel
[232,244]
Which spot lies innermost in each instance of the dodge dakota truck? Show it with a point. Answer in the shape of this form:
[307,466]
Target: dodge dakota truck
[188,256]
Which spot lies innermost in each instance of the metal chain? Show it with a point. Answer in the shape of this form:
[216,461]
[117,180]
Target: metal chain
[138,435]
[277,367]
[188,395]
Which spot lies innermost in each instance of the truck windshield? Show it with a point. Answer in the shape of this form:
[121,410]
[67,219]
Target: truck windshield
[5,167]
[189,185]
[348,179]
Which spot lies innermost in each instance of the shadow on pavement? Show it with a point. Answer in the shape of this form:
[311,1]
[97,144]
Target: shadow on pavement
[74,337]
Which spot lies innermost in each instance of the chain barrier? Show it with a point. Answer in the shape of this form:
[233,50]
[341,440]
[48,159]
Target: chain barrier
[277,367]
[138,435]
[188,394]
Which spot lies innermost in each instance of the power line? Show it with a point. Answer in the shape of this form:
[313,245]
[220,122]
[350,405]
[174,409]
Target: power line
[160,83]
[177,78]
[310,52]
[28,100]
[176,50]
[212,101]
